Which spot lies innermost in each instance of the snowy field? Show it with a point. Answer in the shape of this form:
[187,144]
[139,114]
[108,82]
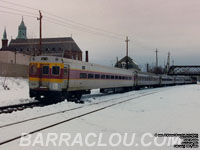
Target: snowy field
[17,93]
[170,110]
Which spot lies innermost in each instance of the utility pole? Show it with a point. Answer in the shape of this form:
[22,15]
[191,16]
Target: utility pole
[127,40]
[172,62]
[156,59]
[40,41]
[168,61]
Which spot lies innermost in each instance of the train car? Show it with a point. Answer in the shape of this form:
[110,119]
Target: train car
[59,78]
[55,78]
[167,80]
[143,79]
[179,80]
[188,80]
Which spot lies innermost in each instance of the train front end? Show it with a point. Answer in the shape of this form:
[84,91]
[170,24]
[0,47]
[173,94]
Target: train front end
[48,77]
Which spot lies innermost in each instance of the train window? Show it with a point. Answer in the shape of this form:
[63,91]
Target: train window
[90,76]
[123,77]
[112,77]
[55,70]
[97,76]
[33,69]
[44,58]
[45,70]
[103,76]
[120,77]
[130,78]
[65,72]
[83,75]
[116,77]
[107,76]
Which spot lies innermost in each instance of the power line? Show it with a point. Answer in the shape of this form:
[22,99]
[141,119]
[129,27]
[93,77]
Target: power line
[81,28]
[19,5]
[13,13]
[86,26]
[72,27]
[17,10]
[83,24]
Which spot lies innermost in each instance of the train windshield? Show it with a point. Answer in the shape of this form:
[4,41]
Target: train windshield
[45,70]
[55,70]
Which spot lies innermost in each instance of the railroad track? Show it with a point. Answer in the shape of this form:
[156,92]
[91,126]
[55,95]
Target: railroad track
[114,101]
[19,107]
[63,111]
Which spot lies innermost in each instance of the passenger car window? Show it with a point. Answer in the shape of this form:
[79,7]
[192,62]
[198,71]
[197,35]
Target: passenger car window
[83,75]
[97,76]
[103,76]
[90,76]
[107,76]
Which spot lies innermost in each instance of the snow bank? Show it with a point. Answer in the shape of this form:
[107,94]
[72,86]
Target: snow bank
[17,91]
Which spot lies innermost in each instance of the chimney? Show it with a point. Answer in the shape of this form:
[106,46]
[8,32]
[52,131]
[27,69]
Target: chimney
[86,56]
[147,67]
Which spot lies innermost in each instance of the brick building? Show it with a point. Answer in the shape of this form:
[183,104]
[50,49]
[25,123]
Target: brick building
[61,46]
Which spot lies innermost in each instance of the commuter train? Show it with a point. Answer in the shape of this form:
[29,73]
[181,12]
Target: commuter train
[54,78]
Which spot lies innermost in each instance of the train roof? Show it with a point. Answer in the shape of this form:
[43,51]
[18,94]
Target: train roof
[55,59]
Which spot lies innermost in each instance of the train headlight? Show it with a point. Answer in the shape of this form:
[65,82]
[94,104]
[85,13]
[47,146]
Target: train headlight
[55,86]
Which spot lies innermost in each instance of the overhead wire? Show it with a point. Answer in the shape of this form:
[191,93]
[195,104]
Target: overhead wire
[18,10]
[76,28]
[82,27]
[14,13]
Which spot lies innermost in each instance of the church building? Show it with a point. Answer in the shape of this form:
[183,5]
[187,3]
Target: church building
[59,46]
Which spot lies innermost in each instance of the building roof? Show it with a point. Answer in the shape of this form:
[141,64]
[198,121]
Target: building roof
[4,35]
[22,25]
[48,44]
[131,64]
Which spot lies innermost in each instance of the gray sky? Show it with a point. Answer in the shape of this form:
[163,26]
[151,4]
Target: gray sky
[168,25]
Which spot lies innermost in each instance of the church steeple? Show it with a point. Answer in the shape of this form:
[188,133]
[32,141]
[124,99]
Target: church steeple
[4,39]
[22,30]
[4,35]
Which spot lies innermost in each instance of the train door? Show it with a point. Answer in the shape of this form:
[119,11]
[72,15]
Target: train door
[66,76]
[44,75]
[135,79]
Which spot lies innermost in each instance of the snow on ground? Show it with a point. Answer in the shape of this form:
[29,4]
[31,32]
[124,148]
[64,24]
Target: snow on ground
[172,110]
[18,91]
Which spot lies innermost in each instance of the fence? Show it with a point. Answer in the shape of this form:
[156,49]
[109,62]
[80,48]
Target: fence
[13,70]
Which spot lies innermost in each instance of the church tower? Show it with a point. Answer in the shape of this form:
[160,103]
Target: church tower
[22,31]
[4,39]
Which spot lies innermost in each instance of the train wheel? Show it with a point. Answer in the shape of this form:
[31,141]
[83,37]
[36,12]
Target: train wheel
[75,96]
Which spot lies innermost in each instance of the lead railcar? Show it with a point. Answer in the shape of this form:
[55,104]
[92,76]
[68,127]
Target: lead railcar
[54,78]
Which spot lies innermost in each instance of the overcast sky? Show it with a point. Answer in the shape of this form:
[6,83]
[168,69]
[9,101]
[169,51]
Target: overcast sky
[168,25]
